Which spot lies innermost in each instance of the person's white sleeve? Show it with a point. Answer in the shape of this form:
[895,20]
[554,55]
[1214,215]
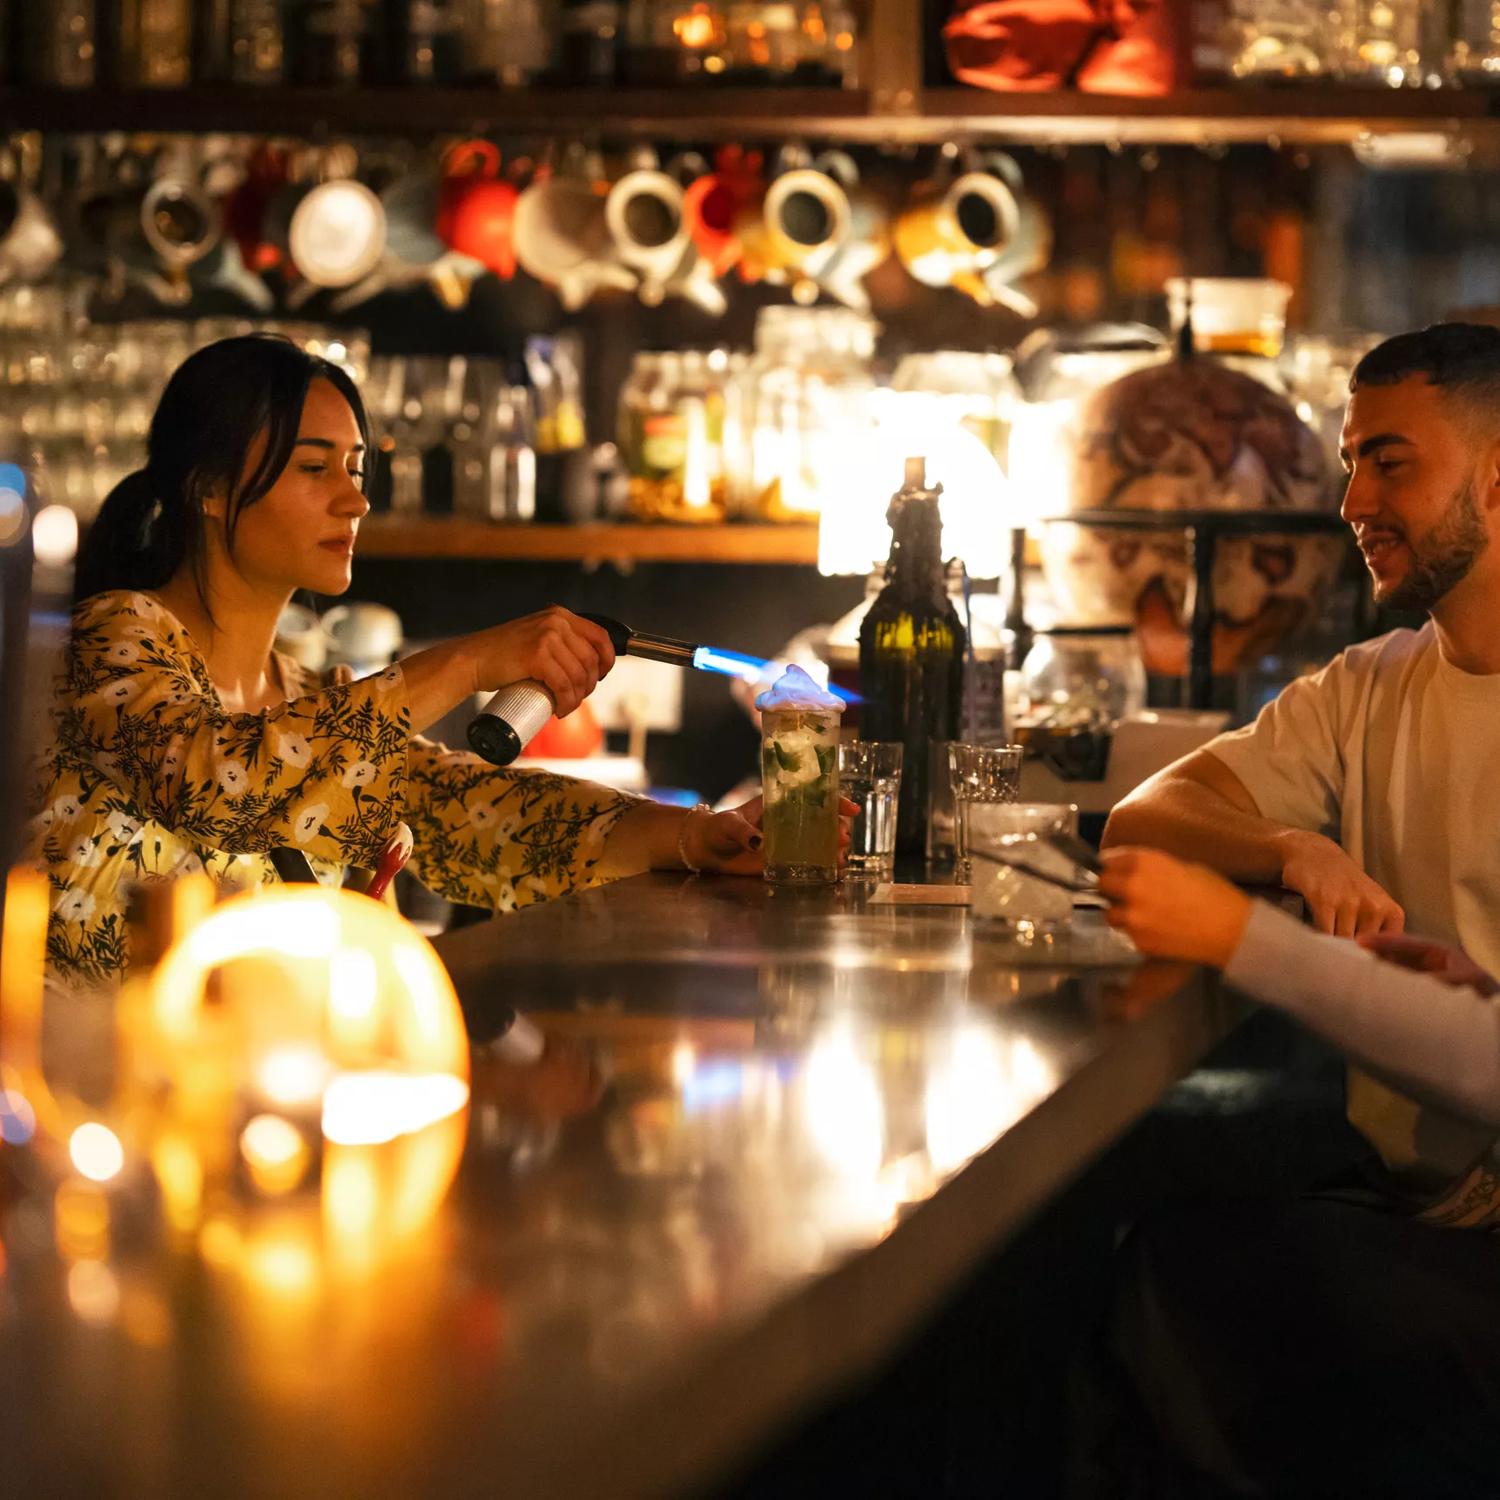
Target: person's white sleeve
[1290,759]
[1437,1042]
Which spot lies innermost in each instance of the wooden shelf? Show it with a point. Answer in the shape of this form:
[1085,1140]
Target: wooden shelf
[436,536]
[1301,114]
[1311,114]
[527,113]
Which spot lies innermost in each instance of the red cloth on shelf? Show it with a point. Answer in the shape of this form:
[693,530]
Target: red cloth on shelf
[1102,46]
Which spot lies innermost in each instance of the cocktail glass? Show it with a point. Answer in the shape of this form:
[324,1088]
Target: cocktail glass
[799,760]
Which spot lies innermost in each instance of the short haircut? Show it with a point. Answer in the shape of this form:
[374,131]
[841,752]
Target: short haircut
[1461,359]
[1464,357]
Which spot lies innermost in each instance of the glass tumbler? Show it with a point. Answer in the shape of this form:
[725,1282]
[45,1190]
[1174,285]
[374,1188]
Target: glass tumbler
[981,774]
[800,781]
[1030,907]
[870,777]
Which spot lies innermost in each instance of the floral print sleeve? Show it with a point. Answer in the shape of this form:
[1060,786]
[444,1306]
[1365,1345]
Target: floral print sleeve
[325,772]
[503,838]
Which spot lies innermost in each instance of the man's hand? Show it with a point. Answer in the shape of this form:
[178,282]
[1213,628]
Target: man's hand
[1451,965]
[1170,909]
[1340,897]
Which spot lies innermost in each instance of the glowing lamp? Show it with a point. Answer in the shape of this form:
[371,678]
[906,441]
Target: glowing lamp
[290,1091]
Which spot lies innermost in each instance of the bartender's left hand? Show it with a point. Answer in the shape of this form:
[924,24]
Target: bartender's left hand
[729,842]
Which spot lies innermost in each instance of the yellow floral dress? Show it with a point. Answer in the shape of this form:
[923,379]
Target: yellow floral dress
[148,778]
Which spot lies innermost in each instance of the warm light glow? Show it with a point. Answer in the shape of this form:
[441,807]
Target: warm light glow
[23,961]
[80,1222]
[54,535]
[353,985]
[179,1175]
[978,1086]
[368,1109]
[845,1114]
[283,1263]
[853,533]
[96,1152]
[695,29]
[368,1044]
[293,1076]
[684,1061]
[696,476]
[275,1153]
[93,1292]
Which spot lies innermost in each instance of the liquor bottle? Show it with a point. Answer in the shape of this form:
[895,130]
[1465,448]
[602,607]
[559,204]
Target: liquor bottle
[911,653]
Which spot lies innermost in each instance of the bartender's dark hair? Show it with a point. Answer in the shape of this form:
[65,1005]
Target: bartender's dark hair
[1464,358]
[216,403]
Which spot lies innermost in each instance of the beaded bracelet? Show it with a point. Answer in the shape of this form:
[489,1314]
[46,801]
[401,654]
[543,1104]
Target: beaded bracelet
[682,853]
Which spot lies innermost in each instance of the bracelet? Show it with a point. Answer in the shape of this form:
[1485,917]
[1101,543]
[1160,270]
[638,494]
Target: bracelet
[682,853]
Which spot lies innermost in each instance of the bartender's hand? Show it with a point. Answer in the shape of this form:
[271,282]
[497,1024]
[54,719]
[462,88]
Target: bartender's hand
[1451,965]
[1170,909]
[729,843]
[565,653]
[1340,897]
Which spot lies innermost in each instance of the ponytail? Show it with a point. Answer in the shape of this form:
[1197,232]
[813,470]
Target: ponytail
[129,544]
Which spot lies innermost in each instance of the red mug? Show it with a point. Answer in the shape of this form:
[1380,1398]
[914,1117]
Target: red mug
[713,202]
[476,207]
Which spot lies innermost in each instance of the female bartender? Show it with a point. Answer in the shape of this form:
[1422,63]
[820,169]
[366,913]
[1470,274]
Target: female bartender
[184,742]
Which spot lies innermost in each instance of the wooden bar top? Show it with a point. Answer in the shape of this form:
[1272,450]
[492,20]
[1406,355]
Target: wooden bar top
[816,1113]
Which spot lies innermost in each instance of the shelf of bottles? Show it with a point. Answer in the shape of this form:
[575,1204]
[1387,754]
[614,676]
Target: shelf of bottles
[706,69]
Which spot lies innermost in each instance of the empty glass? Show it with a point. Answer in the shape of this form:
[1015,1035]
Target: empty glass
[1030,907]
[870,776]
[981,774]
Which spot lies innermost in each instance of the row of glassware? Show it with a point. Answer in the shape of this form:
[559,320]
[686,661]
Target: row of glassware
[804,427]
[1402,43]
[349,43]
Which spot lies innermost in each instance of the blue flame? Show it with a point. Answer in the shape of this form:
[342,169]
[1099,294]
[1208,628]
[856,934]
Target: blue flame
[748,668]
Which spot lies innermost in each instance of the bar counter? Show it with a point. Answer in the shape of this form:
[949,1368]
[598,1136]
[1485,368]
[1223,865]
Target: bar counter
[815,1113]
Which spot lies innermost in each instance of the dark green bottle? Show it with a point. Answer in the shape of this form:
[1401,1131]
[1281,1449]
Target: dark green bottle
[911,653]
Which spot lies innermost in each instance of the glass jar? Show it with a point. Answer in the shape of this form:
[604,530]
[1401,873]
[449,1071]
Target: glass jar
[671,437]
[590,41]
[814,42]
[332,43]
[1078,678]
[1281,38]
[1385,41]
[509,42]
[1474,46]
[806,408]
[429,45]
[59,44]
[156,43]
[252,48]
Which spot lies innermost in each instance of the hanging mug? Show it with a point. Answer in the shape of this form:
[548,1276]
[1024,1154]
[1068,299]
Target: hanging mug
[975,233]
[647,219]
[411,203]
[477,207]
[712,203]
[563,239]
[29,242]
[181,225]
[865,241]
[808,214]
[336,234]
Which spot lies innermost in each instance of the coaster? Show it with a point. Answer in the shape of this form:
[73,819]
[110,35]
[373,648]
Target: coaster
[921,895]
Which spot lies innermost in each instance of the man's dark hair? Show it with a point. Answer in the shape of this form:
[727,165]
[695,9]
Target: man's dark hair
[1462,356]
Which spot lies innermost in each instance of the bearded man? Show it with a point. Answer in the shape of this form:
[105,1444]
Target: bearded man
[1373,789]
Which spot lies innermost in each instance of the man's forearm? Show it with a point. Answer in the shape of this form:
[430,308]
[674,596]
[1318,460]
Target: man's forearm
[1194,822]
